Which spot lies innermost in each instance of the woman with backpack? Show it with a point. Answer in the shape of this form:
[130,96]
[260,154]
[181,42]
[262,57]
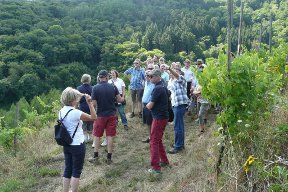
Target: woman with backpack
[74,153]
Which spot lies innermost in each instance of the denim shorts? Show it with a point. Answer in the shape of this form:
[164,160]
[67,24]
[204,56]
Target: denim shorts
[147,115]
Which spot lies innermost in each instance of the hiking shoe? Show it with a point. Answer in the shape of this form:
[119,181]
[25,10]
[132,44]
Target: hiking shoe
[104,143]
[146,140]
[140,115]
[175,150]
[108,161]
[94,160]
[154,172]
[126,127]
[132,115]
[164,164]
[173,146]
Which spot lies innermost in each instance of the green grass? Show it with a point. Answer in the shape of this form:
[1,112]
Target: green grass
[11,185]
[117,171]
[46,171]
[19,183]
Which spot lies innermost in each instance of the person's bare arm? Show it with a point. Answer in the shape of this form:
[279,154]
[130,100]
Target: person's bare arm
[92,116]
[167,67]
[150,105]
[119,99]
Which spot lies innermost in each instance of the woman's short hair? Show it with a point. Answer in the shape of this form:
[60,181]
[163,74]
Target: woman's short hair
[86,78]
[70,95]
[116,72]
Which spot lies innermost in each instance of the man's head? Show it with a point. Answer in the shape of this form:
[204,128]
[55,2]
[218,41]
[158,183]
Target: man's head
[150,67]
[103,75]
[136,63]
[187,63]
[155,76]
[162,68]
[199,61]
[161,60]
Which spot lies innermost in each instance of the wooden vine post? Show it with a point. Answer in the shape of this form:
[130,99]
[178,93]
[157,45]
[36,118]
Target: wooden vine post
[16,124]
[229,26]
[240,29]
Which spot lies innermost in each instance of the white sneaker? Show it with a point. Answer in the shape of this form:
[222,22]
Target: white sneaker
[93,145]
[104,143]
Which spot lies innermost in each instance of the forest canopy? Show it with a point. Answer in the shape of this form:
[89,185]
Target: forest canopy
[50,44]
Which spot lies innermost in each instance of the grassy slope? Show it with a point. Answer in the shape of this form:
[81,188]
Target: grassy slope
[39,165]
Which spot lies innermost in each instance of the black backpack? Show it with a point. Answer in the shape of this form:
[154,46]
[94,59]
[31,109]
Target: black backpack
[62,136]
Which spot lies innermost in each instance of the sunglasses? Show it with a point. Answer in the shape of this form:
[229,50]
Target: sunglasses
[150,68]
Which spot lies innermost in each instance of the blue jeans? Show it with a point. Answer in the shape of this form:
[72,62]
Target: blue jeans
[121,111]
[179,113]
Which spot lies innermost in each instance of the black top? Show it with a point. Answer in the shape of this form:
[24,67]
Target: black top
[104,94]
[84,88]
[160,99]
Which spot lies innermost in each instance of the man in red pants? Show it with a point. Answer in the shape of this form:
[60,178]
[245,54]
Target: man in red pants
[159,107]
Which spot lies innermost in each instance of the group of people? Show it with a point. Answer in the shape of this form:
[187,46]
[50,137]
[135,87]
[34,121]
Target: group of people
[153,88]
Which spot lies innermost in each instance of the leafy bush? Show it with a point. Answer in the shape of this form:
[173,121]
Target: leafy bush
[34,116]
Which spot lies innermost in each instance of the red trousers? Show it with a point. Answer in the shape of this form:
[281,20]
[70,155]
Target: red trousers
[157,150]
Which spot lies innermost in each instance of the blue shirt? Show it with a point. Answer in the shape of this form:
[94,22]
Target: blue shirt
[160,100]
[137,78]
[146,98]
[84,88]
[104,94]
[165,76]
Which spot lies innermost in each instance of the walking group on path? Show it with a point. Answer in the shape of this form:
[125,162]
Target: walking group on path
[155,90]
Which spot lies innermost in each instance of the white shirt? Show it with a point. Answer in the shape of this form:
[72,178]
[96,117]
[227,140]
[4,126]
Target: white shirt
[119,83]
[188,74]
[71,121]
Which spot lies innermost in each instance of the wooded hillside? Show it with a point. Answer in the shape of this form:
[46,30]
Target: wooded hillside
[50,44]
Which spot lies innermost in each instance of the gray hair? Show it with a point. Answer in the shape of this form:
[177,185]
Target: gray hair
[69,95]
[86,78]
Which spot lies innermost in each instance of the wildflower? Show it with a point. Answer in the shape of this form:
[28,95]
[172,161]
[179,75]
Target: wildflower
[239,121]
[249,163]
[247,125]
[243,104]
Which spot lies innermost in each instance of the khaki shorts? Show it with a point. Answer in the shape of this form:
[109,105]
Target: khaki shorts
[137,95]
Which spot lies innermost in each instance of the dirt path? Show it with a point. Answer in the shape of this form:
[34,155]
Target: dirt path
[191,170]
